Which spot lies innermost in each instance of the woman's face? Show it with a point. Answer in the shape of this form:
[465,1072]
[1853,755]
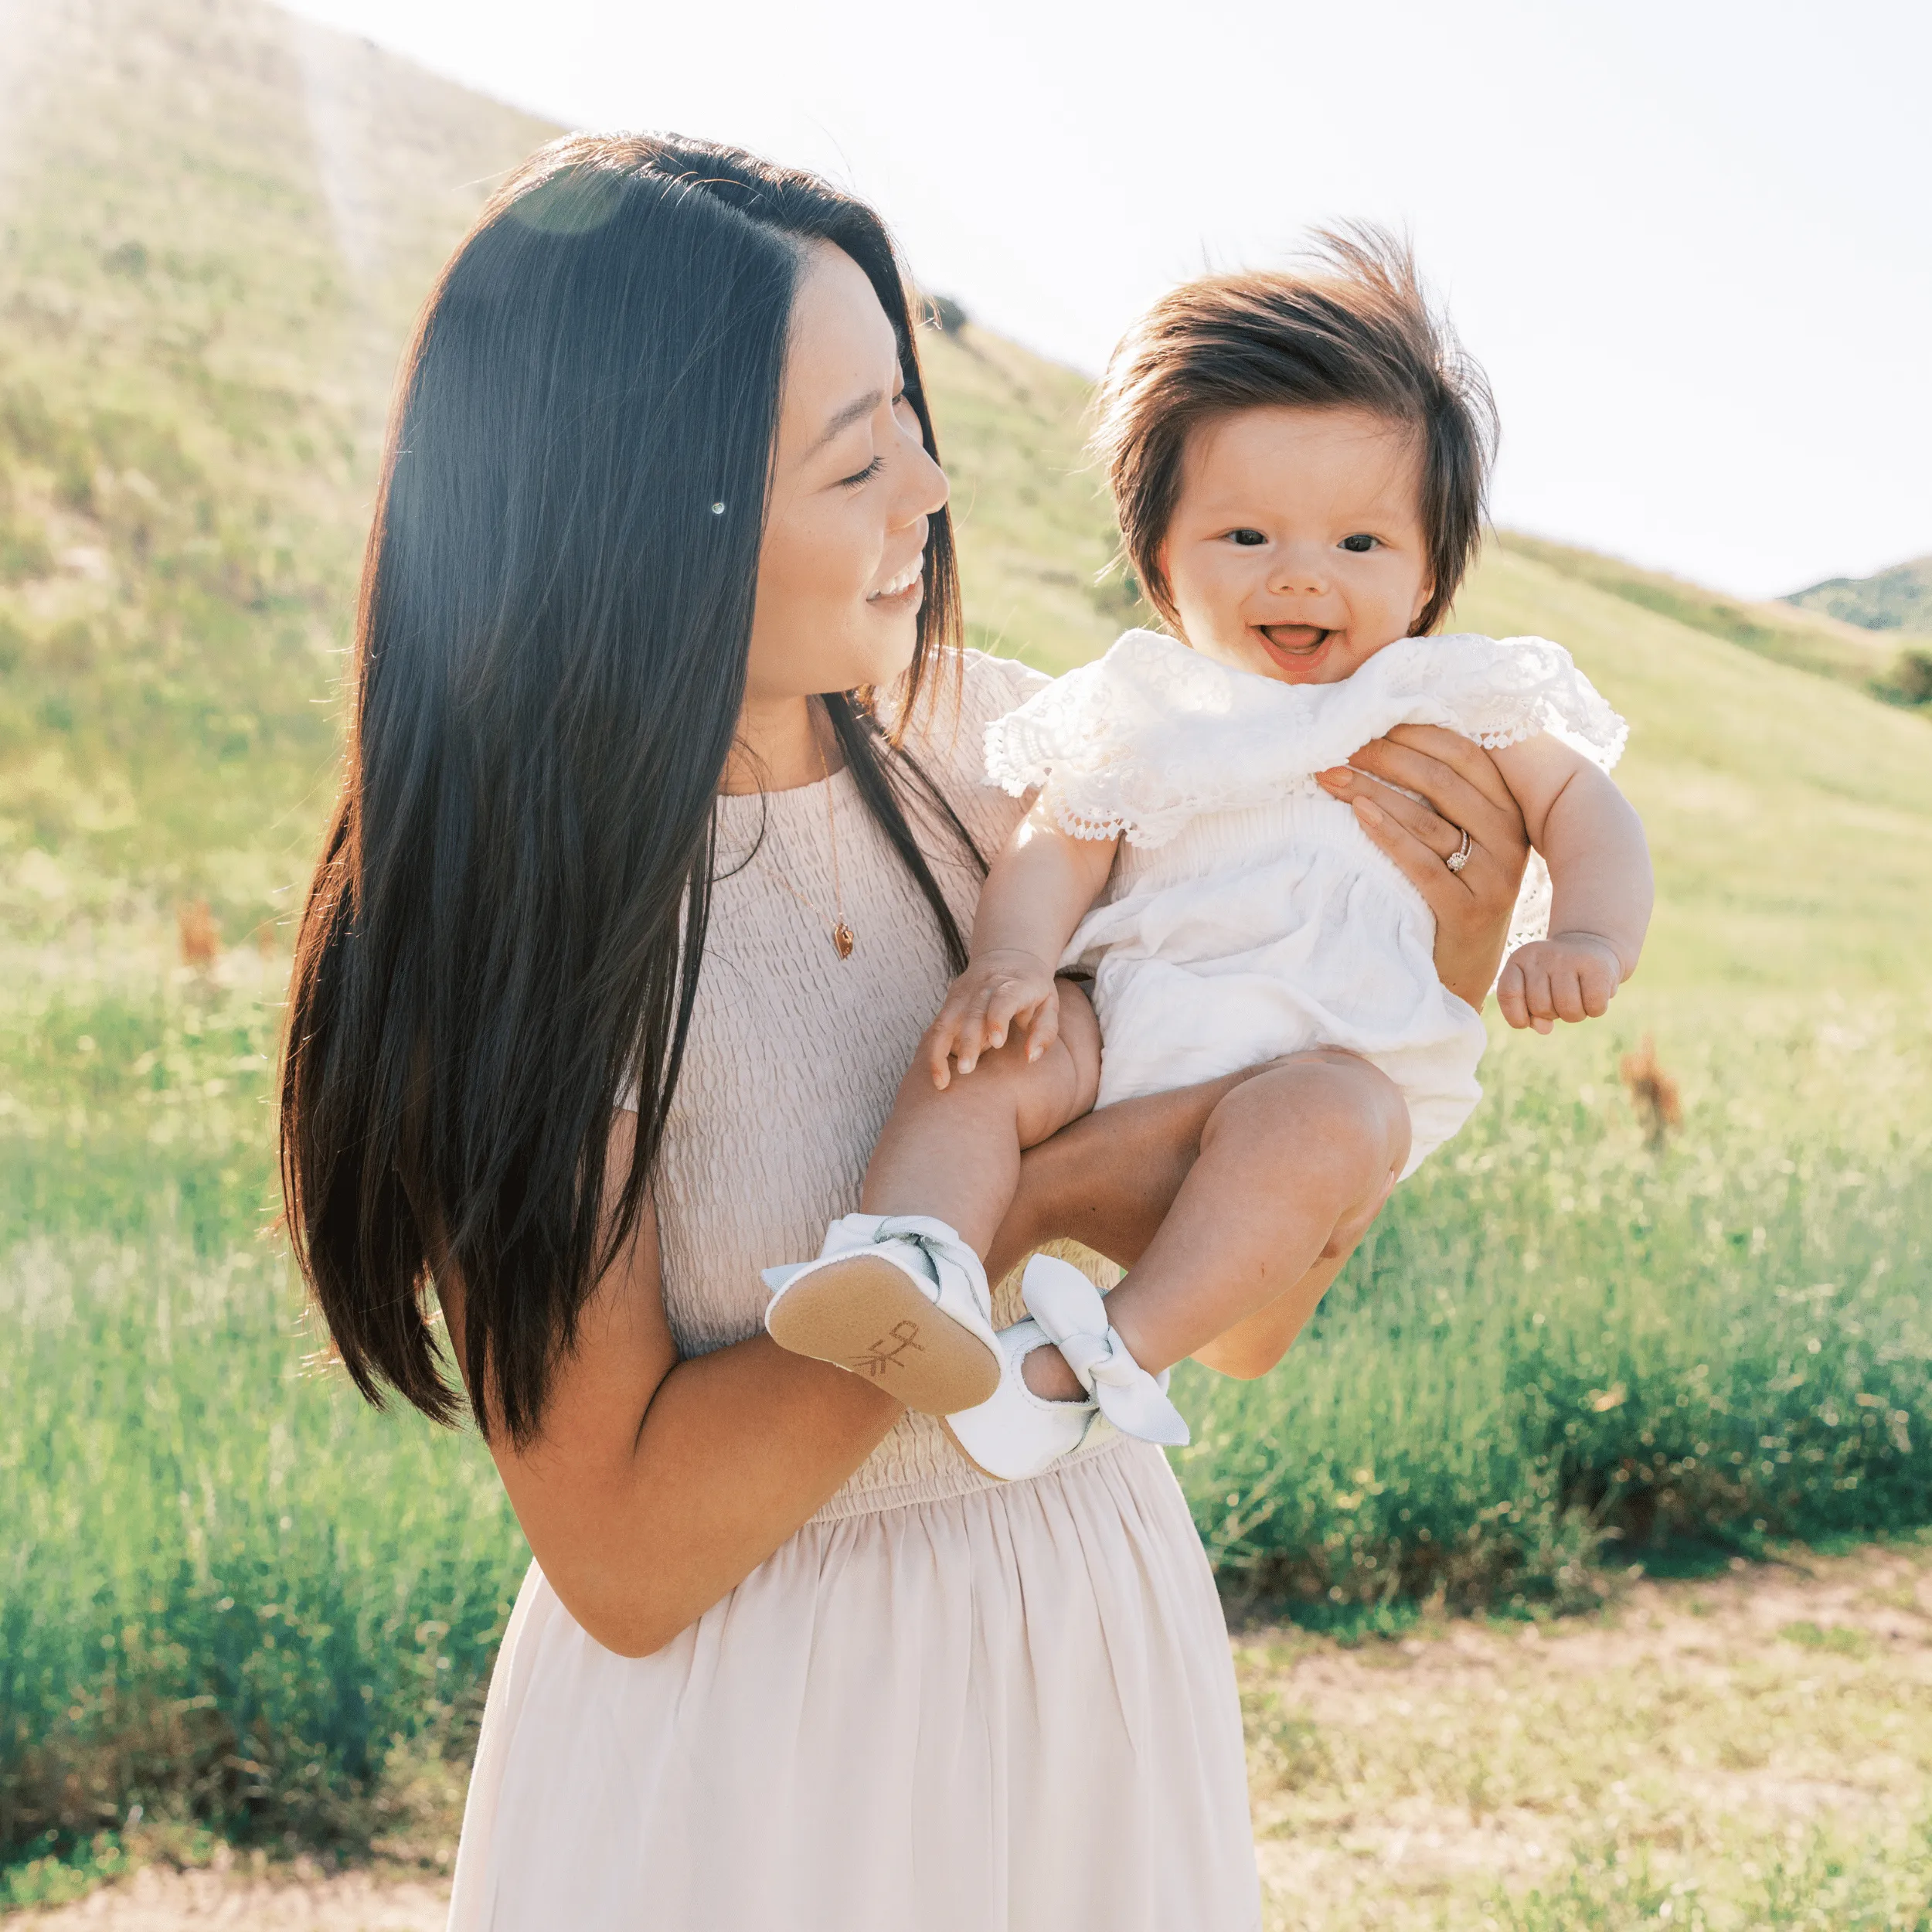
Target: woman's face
[839,575]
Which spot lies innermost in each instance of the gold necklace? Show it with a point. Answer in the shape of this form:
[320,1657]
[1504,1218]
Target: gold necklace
[843,938]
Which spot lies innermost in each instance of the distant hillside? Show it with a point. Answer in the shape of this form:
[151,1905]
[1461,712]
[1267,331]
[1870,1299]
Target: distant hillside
[1810,638]
[215,223]
[1899,598]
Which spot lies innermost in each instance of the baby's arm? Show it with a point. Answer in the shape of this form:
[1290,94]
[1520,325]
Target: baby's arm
[1601,889]
[1035,895]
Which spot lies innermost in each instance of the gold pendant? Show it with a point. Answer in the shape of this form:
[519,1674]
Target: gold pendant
[842,941]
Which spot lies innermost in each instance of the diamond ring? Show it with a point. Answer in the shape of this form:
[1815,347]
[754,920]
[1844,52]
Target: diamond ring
[1457,860]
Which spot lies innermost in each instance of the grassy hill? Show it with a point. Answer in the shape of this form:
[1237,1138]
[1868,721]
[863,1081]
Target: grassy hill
[214,222]
[1899,598]
[1808,640]
[217,221]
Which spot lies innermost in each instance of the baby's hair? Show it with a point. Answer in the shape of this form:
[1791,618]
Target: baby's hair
[1355,330]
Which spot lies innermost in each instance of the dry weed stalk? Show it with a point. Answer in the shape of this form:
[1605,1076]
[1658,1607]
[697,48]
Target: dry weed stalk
[200,943]
[1653,1093]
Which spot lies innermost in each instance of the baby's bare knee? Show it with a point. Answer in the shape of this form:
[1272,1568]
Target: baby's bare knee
[1329,1105]
[1041,1096]
[1061,1085]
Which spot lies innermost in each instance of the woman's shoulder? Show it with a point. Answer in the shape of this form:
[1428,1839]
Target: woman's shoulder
[989,686]
[963,693]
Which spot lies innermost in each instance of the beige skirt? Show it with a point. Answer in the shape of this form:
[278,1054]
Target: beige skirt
[1012,1711]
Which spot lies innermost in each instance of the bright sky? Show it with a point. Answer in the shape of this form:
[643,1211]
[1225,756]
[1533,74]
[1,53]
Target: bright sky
[1690,239]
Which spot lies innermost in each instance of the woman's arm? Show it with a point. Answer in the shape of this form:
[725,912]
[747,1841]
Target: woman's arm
[1108,1181]
[658,1484]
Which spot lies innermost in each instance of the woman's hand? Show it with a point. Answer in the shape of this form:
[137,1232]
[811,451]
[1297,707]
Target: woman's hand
[1461,791]
[998,991]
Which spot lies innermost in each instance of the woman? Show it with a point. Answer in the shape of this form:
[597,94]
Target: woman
[634,910]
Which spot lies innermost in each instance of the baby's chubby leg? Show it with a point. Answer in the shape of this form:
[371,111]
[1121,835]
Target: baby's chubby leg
[905,1304]
[1294,1162]
[955,1155]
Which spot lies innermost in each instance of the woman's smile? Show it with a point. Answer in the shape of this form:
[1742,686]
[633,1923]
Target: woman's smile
[905,592]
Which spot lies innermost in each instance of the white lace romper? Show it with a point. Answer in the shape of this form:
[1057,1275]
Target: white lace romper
[1248,915]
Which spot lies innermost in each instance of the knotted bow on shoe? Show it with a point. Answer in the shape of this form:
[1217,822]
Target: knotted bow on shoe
[1073,1314]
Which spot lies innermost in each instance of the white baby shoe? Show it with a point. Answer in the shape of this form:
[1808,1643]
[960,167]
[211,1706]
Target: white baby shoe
[1073,1313]
[1018,1433]
[900,1299]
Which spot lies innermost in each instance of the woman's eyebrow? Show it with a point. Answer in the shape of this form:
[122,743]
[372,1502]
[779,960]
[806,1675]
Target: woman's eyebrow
[853,412]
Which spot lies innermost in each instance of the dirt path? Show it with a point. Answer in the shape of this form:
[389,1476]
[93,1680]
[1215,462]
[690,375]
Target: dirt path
[1711,1734]
[293,1900]
[1737,1739]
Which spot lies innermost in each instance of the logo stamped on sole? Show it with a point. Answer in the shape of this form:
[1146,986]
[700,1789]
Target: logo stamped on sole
[889,1349]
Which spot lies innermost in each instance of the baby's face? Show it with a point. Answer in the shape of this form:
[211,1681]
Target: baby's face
[1297,548]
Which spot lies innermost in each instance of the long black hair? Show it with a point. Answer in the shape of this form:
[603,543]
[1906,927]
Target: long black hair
[508,920]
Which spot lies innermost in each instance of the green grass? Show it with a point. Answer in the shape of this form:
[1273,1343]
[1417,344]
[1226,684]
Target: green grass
[1678,1757]
[1825,1881]
[193,373]
[1559,1345]
[228,1590]
[1037,535]
[1808,631]
[1790,816]
[1899,598]
[232,1595]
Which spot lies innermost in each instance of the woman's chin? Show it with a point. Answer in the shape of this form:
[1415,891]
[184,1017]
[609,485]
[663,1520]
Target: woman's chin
[888,651]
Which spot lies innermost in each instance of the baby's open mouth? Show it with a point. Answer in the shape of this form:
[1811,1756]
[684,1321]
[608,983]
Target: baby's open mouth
[1297,640]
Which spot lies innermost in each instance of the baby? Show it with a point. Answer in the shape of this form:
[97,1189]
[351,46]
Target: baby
[1298,464]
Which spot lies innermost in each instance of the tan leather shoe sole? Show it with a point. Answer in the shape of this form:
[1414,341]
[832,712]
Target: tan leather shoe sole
[868,1316]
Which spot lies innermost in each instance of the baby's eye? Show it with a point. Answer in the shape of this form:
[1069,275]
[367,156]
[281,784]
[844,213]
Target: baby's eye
[1360,542]
[1246,539]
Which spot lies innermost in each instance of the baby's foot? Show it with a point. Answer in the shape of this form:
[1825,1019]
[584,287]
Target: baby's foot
[1049,1376]
[1017,1433]
[1072,1313]
[898,1299]
[1025,1428]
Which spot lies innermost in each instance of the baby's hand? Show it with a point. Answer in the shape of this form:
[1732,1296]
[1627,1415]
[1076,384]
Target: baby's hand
[996,990]
[1569,976]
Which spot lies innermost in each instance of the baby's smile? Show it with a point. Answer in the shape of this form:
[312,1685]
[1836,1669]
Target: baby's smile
[1301,653]
[1304,640]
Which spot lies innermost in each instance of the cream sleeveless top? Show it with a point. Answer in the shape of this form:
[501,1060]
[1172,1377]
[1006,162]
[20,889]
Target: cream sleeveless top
[765,1144]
